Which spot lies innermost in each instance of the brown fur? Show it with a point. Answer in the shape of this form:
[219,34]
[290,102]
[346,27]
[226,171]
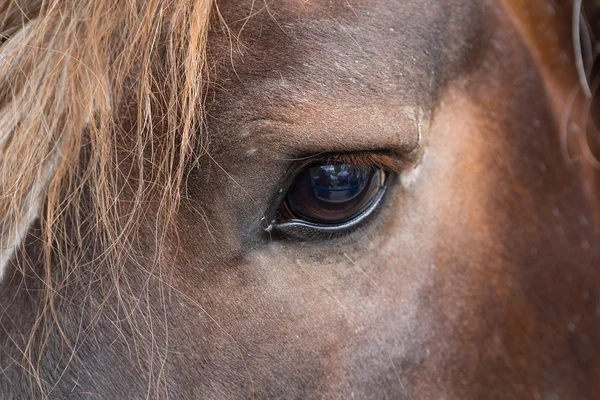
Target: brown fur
[159,134]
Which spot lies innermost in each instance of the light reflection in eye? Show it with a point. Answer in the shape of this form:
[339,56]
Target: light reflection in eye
[338,183]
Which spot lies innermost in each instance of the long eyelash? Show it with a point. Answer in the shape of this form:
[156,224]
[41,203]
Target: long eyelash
[381,160]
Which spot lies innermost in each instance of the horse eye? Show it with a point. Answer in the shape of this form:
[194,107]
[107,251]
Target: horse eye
[332,196]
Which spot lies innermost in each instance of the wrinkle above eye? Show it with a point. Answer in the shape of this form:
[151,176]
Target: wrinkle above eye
[332,128]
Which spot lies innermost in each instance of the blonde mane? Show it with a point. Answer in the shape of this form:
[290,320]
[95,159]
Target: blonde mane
[76,79]
[63,71]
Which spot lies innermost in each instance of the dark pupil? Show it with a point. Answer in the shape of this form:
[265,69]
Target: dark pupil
[333,193]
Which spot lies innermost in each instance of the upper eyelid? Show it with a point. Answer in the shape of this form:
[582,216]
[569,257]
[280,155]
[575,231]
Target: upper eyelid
[373,159]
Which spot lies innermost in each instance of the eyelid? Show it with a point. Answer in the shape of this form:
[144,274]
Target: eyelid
[373,159]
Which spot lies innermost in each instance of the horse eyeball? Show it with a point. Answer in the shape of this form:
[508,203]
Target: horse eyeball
[333,193]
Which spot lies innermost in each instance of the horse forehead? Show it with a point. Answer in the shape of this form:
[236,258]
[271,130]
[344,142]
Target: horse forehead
[354,21]
[331,56]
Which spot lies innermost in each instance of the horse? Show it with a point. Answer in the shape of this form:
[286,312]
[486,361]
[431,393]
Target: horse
[299,199]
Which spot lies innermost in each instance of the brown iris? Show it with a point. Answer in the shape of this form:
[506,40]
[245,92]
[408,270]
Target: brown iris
[333,193]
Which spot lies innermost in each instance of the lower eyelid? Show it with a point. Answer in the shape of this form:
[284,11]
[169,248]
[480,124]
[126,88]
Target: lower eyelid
[298,226]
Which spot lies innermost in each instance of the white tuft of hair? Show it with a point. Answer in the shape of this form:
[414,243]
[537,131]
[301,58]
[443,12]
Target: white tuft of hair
[15,225]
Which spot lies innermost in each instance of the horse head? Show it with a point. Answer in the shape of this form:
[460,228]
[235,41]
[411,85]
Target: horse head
[299,199]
